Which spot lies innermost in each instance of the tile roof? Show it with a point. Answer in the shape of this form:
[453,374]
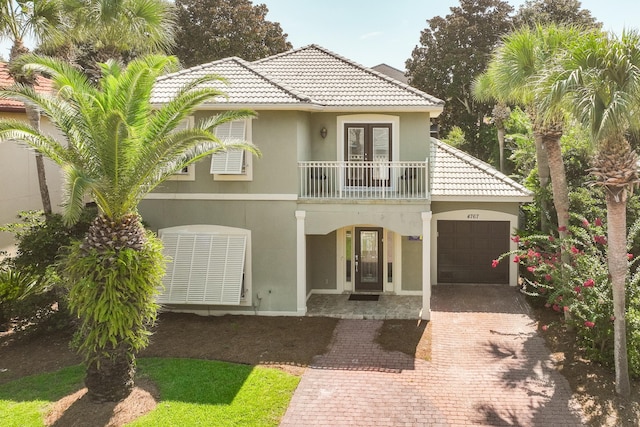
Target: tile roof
[458,174]
[245,84]
[43,85]
[311,77]
[391,72]
[333,80]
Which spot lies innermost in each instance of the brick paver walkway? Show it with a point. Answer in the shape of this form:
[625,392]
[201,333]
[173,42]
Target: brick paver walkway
[487,368]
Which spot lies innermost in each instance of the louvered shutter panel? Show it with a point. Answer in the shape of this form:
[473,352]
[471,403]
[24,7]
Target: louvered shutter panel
[205,268]
[230,162]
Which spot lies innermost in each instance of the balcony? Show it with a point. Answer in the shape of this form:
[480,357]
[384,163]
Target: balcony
[351,180]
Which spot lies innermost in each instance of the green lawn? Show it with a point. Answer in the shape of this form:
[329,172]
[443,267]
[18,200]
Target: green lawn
[192,392]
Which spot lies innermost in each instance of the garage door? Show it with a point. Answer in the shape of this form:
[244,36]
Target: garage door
[466,249]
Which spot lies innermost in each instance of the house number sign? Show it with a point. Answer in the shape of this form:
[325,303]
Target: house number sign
[473,216]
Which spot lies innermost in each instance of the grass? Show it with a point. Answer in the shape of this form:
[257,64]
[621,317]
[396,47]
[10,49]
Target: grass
[23,403]
[223,394]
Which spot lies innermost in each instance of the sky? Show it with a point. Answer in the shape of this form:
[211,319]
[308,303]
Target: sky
[369,34]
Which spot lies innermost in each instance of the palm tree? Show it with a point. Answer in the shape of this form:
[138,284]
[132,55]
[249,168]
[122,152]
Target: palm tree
[512,77]
[118,149]
[482,91]
[499,115]
[95,31]
[599,81]
[38,19]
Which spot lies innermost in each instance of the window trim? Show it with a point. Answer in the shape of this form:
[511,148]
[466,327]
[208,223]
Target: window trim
[190,174]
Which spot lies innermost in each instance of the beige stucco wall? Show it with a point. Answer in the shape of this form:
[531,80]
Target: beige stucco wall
[411,264]
[273,240]
[413,143]
[508,208]
[321,262]
[414,136]
[19,189]
[279,135]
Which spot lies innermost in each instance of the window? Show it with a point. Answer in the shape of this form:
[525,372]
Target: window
[232,165]
[207,265]
[189,172]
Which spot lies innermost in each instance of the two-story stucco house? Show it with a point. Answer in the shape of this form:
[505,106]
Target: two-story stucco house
[350,195]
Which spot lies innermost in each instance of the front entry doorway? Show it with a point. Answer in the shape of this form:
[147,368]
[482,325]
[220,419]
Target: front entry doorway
[368,259]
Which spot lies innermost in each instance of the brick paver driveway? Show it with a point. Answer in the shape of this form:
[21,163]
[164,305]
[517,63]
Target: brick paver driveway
[488,367]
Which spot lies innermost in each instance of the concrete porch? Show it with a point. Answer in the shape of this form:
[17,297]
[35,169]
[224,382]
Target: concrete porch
[387,307]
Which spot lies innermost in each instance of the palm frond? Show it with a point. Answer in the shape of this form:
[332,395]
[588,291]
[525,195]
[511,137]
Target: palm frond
[77,186]
[15,130]
[185,157]
[119,148]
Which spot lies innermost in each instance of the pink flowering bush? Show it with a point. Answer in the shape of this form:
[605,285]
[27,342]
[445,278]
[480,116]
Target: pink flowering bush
[571,276]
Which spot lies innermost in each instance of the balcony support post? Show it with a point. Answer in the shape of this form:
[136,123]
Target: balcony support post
[426,265]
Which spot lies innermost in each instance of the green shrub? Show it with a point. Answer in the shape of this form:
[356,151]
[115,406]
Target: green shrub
[25,299]
[571,275]
[32,291]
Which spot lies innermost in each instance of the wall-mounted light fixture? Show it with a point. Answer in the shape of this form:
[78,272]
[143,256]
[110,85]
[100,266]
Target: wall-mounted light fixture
[323,132]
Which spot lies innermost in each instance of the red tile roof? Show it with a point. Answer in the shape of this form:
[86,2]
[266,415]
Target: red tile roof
[43,85]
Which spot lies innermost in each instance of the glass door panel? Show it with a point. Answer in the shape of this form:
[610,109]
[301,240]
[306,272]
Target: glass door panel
[356,152]
[380,149]
[367,259]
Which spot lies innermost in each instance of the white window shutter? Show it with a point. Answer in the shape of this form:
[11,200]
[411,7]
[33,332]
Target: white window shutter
[230,162]
[205,268]
[231,131]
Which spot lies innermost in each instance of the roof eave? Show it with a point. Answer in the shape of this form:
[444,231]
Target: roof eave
[473,198]
[10,109]
[256,106]
[434,111]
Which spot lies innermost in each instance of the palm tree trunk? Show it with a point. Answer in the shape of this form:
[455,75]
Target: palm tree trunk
[543,177]
[558,183]
[110,379]
[618,266]
[34,120]
[501,134]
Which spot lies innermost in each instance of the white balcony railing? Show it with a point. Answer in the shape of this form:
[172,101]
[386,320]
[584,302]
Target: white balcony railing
[364,180]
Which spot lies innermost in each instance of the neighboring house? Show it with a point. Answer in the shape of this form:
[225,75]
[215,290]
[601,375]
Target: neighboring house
[350,195]
[392,72]
[19,189]
[401,77]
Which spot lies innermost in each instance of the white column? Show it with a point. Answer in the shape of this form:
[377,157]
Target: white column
[426,265]
[301,263]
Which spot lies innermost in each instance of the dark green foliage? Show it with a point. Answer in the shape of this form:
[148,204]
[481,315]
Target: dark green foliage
[215,29]
[41,239]
[32,291]
[534,12]
[452,52]
[95,31]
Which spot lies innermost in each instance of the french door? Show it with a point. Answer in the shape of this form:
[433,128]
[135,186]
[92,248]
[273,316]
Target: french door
[368,151]
[368,259]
